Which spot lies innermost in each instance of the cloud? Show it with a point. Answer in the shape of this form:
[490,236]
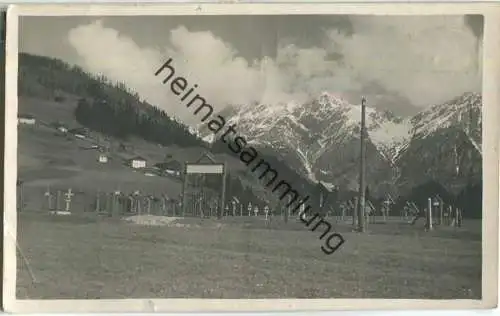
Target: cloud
[423,59]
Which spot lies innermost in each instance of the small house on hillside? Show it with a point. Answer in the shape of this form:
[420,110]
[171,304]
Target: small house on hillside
[137,162]
[60,127]
[26,119]
[103,158]
[79,132]
[172,167]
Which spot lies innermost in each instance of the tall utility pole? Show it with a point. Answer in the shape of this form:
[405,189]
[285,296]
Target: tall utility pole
[362,186]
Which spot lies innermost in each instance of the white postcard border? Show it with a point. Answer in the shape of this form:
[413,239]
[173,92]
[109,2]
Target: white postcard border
[491,117]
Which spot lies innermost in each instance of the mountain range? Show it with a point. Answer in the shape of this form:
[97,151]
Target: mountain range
[321,140]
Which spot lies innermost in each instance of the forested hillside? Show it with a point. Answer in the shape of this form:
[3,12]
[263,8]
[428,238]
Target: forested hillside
[101,102]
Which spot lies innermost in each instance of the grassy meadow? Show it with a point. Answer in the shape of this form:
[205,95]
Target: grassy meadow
[99,258]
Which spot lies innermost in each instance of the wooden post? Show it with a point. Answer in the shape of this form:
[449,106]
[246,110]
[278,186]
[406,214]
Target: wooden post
[447,216]
[287,211]
[98,202]
[184,190]
[429,214]
[355,213]
[130,200]
[48,195]
[362,185]
[387,205]
[266,211]
[460,217]
[149,205]
[441,207]
[163,206]
[223,195]
[58,201]
[139,206]
[111,204]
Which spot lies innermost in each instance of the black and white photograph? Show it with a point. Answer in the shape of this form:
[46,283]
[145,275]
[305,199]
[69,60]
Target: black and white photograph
[248,156]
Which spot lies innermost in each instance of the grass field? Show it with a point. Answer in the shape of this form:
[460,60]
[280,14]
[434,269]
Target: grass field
[95,258]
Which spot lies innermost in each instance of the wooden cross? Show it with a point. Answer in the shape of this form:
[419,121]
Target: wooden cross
[266,211]
[68,195]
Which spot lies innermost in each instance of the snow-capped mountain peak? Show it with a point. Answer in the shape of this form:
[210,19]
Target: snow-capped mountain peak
[321,136]
[463,112]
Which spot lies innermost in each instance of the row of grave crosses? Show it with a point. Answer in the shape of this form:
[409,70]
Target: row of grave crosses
[67,199]
[255,210]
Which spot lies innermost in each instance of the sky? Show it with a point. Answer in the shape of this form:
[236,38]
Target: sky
[399,63]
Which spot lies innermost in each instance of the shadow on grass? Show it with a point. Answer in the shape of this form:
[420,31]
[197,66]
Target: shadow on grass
[468,232]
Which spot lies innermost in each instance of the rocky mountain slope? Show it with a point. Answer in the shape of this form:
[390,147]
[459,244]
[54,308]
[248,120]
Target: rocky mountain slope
[321,140]
[445,145]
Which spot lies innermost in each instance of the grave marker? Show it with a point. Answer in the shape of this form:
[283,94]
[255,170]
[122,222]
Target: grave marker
[149,204]
[234,207]
[68,195]
[58,201]
[266,211]
[48,195]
